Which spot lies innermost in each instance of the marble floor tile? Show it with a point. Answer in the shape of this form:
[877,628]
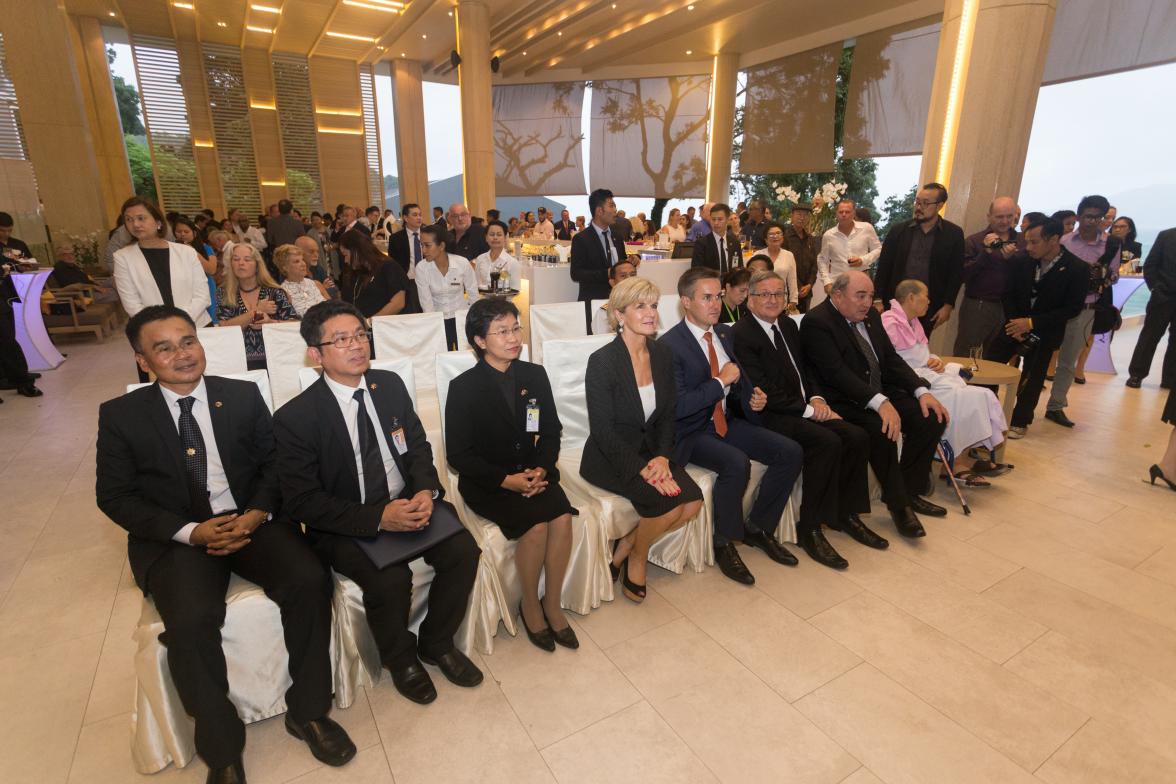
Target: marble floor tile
[622,620]
[961,562]
[900,737]
[1161,565]
[633,745]
[648,664]
[863,775]
[103,757]
[1023,722]
[369,766]
[740,712]
[559,693]
[113,691]
[805,589]
[1103,752]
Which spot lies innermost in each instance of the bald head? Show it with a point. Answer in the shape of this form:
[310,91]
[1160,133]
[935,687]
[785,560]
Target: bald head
[1002,214]
[309,248]
[459,218]
[852,294]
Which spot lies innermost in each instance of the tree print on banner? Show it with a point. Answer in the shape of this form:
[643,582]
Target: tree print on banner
[537,139]
[649,136]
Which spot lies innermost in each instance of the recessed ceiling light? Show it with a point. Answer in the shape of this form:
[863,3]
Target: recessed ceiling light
[689,51]
[266,9]
[451,13]
[380,48]
[111,13]
[351,37]
[260,29]
[524,54]
[614,5]
[559,33]
[402,54]
[185,6]
[424,36]
[222,24]
[371,7]
[689,8]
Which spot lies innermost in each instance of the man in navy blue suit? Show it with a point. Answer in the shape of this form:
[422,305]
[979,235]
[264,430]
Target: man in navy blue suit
[714,400]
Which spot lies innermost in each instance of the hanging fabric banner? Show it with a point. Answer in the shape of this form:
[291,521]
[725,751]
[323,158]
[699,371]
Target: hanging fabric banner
[537,139]
[1095,37]
[649,136]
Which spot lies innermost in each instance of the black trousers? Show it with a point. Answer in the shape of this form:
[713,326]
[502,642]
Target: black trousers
[1034,368]
[730,457]
[451,333]
[188,587]
[387,594]
[900,479]
[1160,317]
[835,482]
[13,365]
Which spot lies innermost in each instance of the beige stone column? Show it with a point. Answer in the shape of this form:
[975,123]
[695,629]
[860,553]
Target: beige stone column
[722,126]
[473,78]
[39,52]
[987,75]
[408,102]
[102,111]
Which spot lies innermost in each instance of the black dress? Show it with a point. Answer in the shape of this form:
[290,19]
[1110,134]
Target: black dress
[621,440]
[486,439]
[372,294]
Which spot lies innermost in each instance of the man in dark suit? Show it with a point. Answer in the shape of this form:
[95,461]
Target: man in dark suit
[353,462]
[835,481]
[565,226]
[868,384]
[1044,292]
[469,240]
[929,249]
[720,249]
[283,228]
[713,396]
[595,250]
[186,466]
[622,227]
[405,245]
[1159,271]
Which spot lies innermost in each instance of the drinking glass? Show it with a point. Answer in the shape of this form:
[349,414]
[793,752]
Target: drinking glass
[975,354]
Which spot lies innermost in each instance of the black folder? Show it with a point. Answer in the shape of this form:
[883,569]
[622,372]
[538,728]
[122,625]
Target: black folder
[392,547]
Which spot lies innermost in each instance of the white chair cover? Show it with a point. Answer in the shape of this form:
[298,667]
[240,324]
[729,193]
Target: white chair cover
[417,335]
[285,355]
[224,350]
[669,312]
[258,377]
[555,321]
[401,367]
[459,321]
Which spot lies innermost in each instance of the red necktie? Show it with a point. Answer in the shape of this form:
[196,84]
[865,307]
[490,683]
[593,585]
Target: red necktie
[719,418]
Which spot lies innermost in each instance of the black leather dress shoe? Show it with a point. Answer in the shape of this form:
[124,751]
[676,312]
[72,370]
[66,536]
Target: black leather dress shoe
[233,774]
[1134,382]
[762,540]
[907,524]
[328,742]
[925,507]
[732,566]
[1059,417]
[456,667]
[414,683]
[854,526]
[28,390]
[819,549]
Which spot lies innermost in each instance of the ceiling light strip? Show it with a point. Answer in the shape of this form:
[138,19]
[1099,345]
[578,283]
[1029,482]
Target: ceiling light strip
[350,37]
[370,7]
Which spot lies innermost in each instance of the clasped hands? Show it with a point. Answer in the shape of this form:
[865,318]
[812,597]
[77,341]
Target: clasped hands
[527,483]
[657,473]
[408,514]
[226,534]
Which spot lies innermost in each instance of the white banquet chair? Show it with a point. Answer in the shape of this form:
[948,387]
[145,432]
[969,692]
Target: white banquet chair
[417,335]
[258,377]
[224,350]
[555,321]
[669,312]
[285,355]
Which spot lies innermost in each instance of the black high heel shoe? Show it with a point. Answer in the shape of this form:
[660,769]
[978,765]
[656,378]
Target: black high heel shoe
[634,592]
[1156,473]
[613,569]
[565,637]
[540,639]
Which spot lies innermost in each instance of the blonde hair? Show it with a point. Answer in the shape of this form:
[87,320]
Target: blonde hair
[282,257]
[627,292]
[231,285]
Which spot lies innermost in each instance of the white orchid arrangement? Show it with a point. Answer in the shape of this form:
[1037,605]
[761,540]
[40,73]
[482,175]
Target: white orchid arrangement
[828,194]
[85,247]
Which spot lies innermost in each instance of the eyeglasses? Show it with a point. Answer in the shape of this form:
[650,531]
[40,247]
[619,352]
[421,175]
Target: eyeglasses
[347,341]
[515,331]
[769,294]
[922,203]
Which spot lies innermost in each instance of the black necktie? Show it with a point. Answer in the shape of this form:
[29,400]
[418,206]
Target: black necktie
[785,357]
[375,479]
[195,460]
[722,256]
[416,247]
[875,379]
[607,251]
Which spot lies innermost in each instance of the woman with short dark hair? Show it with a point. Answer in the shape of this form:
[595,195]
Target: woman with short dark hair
[502,436]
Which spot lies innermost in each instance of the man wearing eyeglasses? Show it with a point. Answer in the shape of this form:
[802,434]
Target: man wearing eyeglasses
[353,463]
[929,249]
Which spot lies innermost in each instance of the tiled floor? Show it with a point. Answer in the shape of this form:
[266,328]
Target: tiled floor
[1034,640]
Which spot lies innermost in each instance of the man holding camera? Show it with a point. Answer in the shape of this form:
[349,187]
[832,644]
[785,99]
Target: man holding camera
[989,257]
[1045,290]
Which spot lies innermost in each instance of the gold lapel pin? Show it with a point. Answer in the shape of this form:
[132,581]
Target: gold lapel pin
[523,392]
[373,386]
[218,404]
[191,452]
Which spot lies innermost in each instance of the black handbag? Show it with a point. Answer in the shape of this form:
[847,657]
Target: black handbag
[1107,317]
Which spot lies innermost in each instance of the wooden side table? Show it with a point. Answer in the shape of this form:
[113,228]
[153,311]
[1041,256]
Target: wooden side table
[995,374]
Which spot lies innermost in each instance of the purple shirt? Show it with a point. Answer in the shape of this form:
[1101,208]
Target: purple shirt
[1090,252]
[986,271]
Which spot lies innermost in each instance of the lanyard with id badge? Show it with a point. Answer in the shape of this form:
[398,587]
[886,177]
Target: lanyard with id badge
[532,416]
[398,439]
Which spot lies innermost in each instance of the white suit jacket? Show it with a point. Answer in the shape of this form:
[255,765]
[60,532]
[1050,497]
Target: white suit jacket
[137,288]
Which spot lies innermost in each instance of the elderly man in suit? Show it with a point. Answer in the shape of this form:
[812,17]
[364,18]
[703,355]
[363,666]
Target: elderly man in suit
[835,482]
[186,466]
[714,397]
[720,249]
[595,250]
[353,463]
[868,384]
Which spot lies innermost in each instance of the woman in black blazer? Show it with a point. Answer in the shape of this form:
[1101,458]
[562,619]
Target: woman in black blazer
[502,437]
[630,393]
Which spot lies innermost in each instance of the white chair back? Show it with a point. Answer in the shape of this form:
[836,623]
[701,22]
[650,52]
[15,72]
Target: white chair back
[285,355]
[258,377]
[669,312]
[450,365]
[567,362]
[224,350]
[401,367]
[555,321]
[420,336]
[459,319]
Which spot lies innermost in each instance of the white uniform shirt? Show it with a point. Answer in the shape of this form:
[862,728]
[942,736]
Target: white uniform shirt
[446,293]
[484,266]
[220,497]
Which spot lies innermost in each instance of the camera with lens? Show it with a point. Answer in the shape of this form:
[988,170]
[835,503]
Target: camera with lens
[1028,343]
[996,244]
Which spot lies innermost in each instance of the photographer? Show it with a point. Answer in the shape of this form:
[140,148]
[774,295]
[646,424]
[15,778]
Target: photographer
[1045,290]
[989,256]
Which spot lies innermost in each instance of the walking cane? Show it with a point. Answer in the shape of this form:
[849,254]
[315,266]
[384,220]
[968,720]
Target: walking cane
[952,479]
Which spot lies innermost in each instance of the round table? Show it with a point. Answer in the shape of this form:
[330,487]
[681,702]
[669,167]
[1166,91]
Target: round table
[994,374]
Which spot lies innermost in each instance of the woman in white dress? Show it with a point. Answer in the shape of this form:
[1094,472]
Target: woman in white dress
[496,260]
[783,262]
[445,283]
[673,228]
[977,418]
[302,290]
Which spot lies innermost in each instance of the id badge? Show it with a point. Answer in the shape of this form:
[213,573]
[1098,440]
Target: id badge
[399,441]
[532,416]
